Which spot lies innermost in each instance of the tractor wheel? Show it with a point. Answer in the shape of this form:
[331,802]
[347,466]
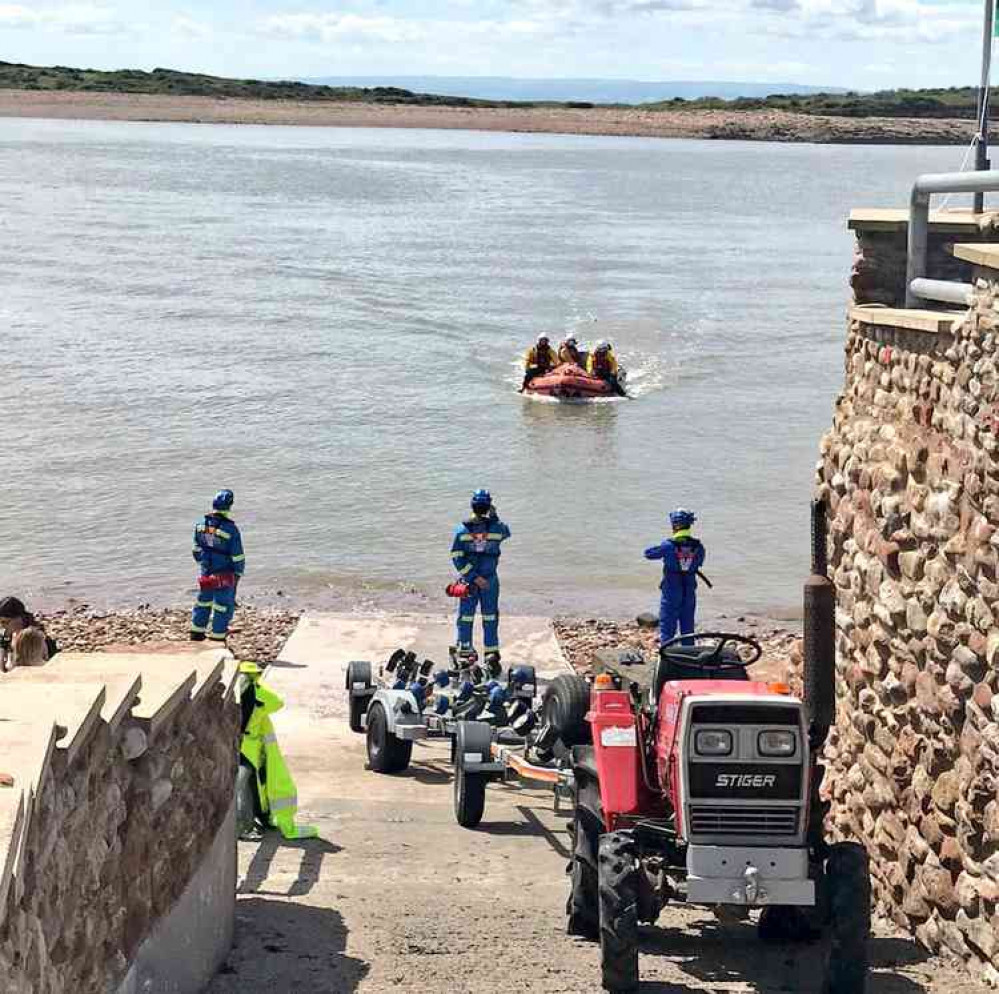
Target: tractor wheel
[566,702]
[358,672]
[848,900]
[387,753]
[618,887]
[470,786]
[583,906]
[783,923]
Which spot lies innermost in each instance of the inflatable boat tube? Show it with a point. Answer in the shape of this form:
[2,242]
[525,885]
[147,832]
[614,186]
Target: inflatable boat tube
[569,382]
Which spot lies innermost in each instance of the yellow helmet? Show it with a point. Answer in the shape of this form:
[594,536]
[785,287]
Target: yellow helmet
[252,670]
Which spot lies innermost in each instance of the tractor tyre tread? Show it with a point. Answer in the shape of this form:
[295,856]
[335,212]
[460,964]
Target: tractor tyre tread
[583,906]
[618,890]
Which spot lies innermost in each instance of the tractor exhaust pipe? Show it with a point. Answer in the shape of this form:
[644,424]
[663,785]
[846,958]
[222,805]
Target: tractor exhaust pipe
[819,654]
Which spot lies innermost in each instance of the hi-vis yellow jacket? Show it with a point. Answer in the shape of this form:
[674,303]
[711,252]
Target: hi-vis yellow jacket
[275,786]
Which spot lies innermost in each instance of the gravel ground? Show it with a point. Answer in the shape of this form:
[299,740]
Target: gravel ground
[256,633]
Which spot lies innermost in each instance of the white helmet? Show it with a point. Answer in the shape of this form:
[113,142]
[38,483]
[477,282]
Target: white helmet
[602,346]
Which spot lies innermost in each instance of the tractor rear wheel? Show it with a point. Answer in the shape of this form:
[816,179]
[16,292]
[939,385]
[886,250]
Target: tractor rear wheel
[566,702]
[583,906]
[618,887]
[848,900]
[387,753]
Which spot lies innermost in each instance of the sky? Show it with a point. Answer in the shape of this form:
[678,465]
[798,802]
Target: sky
[862,44]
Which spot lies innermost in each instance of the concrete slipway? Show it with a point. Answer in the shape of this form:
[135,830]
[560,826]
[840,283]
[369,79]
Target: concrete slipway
[395,896]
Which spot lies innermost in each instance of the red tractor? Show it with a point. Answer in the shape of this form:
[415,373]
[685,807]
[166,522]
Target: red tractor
[707,791]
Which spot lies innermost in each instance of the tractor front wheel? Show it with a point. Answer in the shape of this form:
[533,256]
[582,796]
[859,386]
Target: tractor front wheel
[848,902]
[618,891]
[583,906]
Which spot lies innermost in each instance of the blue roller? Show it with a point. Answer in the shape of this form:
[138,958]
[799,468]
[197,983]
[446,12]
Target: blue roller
[419,692]
[441,679]
[442,705]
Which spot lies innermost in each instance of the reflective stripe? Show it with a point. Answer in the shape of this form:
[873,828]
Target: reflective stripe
[496,536]
[284,802]
[203,603]
[270,738]
[466,569]
[490,617]
[465,537]
[221,608]
[466,617]
[224,534]
[237,559]
[216,638]
[490,648]
[458,555]
[199,629]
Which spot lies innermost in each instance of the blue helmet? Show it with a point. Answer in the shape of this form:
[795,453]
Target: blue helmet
[482,500]
[681,518]
[223,500]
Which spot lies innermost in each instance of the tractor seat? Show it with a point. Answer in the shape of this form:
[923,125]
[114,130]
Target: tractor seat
[687,662]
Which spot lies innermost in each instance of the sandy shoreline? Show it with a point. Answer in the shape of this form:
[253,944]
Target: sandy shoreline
[703,124]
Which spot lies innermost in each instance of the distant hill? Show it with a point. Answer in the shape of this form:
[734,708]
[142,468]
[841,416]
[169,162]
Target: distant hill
[958,103]
[171,82]
[596,91]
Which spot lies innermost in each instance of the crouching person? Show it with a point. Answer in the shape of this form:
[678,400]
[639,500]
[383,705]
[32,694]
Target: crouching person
[22,639]
[276,800]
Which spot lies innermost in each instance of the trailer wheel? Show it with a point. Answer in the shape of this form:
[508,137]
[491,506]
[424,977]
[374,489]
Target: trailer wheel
[618,886]
[471,737]
[848,900]
[358,672]
[583,906]
[566,702]
[387,753]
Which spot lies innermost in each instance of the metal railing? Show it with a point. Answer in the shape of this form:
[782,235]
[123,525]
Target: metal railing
[917,287]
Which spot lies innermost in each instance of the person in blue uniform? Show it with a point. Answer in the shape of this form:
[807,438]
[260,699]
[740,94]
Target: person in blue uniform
[475,553]
[682,557]
[218,551]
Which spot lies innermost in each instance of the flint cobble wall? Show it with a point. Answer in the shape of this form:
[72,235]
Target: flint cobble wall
[910,471]
[113,839]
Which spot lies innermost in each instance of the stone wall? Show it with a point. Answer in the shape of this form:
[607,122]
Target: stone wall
[114,822]
[880,255]
[910,470]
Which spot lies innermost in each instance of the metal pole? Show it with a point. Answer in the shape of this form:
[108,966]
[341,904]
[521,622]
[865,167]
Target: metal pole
[982,160]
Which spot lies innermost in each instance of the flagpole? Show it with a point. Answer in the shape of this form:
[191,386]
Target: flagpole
[982,160]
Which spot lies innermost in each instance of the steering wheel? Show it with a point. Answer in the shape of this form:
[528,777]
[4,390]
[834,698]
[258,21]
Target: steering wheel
[723,639]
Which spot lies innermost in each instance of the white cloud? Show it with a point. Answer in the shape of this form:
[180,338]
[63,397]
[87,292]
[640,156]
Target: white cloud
[84,19]
[351,28]
[188,27]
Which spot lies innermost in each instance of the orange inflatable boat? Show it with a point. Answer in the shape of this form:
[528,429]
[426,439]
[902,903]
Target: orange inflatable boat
[569,382]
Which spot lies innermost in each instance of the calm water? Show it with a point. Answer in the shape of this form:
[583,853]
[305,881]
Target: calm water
[328,321]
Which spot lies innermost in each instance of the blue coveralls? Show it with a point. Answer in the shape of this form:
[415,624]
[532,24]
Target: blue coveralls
[682,557]
[475,552]
[218,550]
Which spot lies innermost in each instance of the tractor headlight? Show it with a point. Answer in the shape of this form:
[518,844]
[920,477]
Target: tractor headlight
[777,743]
[713,742]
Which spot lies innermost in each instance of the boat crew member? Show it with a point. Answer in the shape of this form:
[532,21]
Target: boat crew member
[540,359]
[568,351]
[475,552]
[218,550]
[682,557]
[603,363]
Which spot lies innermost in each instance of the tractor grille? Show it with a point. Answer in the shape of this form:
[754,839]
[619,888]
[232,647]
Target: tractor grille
[708,819]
